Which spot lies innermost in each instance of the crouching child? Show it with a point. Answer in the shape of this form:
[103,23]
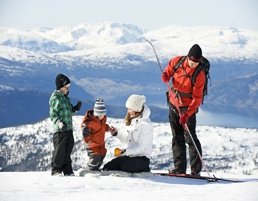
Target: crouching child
[94,127]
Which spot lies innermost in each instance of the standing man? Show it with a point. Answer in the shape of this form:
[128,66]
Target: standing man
[186,95]
[61,111]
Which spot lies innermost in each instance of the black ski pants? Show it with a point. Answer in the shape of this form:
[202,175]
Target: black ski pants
[129,164]
[61,156]
[179,140]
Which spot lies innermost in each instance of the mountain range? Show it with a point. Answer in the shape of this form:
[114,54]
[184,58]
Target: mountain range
[113,60]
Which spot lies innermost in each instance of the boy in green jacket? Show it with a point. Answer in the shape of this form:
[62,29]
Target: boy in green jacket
[61,111]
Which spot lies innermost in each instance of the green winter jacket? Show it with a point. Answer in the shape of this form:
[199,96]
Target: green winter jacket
[60,110]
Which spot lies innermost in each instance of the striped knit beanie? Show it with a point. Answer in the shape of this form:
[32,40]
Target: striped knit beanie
[99,108]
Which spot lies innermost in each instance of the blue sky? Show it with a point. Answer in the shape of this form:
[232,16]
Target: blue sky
[149,14]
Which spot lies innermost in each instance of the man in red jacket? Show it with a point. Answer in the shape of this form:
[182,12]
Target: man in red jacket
[186,96]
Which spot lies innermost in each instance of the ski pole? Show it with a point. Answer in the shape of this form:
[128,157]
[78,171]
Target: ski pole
[185,126]
[198,152]
[169,88]
[155,54]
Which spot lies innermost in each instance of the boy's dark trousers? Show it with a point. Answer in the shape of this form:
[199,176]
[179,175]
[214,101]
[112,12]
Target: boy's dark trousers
[61,156]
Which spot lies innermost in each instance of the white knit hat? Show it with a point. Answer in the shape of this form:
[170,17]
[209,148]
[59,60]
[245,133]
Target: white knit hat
[135,102]
[99,107]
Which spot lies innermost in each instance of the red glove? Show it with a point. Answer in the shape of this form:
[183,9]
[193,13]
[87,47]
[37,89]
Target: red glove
[165,77]
[183,118]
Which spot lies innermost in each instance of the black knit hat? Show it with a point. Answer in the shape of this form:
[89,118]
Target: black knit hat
[61,81]
[195,52]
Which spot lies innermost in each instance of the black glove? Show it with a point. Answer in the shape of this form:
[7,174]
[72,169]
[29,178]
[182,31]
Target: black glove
[113,131]
[77,107]
[86,132]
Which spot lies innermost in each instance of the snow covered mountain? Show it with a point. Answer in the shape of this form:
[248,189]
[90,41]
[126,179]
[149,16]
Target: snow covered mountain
[100,39]
[225,150]
[113,60]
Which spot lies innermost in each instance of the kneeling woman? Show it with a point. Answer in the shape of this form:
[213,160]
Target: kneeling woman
[138,135]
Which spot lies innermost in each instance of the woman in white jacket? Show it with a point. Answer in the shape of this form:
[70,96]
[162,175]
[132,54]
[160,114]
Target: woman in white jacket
[138,135]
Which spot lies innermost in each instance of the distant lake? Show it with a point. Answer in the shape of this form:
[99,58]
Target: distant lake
[225,119]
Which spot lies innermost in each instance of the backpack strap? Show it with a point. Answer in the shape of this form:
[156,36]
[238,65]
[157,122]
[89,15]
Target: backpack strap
[196,72]
[203,66]
[181,94]
[198,69]
[179,63]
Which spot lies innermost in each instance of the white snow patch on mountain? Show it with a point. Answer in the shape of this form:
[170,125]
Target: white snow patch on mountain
[115,40]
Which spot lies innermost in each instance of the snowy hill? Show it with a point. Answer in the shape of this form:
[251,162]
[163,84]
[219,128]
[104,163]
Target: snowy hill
[225,150]
[112,60]
[40,186]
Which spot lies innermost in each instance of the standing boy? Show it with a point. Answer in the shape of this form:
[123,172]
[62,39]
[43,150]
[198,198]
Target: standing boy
[61,111]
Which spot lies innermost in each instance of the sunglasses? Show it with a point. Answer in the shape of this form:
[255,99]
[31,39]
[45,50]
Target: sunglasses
[193,59]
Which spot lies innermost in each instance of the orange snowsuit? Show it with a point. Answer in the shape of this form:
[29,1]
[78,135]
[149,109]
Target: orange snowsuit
[95,140]
[185,94]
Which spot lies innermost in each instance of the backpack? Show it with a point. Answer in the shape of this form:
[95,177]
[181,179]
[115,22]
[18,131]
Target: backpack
[204,65]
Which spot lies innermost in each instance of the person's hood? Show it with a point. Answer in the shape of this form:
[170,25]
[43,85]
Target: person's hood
[146,112]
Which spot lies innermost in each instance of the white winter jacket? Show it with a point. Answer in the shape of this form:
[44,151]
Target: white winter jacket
[138,136]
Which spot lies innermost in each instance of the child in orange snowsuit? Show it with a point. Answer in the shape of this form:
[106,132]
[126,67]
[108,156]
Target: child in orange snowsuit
[94,127]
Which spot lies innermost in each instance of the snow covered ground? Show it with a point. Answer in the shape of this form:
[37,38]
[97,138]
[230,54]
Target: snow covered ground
[40,186]
[225,150]
[228,153]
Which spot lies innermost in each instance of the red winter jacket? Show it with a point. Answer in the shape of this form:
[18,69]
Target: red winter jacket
[182,83]
[95,141]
